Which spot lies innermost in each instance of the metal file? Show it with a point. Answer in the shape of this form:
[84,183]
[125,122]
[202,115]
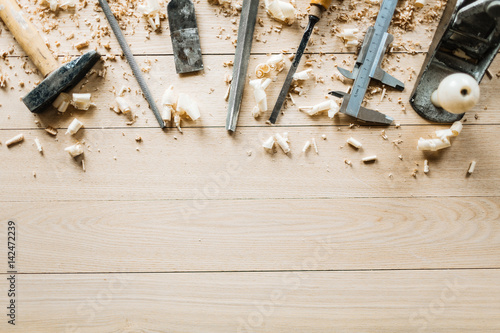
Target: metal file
[241,57]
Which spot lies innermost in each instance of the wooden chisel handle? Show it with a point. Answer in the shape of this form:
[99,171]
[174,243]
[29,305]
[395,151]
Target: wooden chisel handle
[318,6]
[27,36]
[322,3]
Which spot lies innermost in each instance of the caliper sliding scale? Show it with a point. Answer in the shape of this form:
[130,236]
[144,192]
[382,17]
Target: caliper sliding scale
[466,41]
[367,67]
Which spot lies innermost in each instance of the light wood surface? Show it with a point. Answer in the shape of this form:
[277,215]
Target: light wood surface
[375,301]
[206,232]
[279,234]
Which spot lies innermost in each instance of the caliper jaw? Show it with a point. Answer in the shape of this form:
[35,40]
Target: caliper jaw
[378,74]
[364,114]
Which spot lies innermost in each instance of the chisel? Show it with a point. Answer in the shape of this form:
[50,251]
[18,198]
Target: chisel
[185,37]
[245,36]
[317,8]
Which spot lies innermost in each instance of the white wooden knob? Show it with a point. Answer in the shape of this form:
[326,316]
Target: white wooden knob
[457,93]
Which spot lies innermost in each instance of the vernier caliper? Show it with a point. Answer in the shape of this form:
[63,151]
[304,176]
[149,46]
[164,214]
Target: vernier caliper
[367,67]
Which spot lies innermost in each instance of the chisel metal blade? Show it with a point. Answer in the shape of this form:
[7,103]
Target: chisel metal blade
[185,37]
[315,11]
[293,68]
[245,36]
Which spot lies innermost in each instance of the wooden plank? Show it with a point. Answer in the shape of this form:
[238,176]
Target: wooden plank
[173,166]
[297,236]
[382,301]
[217,31]
[215,235]
[209,90]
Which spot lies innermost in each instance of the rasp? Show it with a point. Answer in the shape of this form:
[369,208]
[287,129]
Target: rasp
[131,61]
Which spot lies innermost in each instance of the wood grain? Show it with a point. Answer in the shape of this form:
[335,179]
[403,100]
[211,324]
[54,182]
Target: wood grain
[217,31]
[248,235]
[380,301]
[206,232]
[174,166]
[209,90]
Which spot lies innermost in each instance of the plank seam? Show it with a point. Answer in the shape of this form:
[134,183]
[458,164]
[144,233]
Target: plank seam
[224,54]
[258,199]
[243,126]
[268,271]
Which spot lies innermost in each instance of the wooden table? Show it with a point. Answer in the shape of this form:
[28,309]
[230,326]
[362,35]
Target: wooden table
[206,232]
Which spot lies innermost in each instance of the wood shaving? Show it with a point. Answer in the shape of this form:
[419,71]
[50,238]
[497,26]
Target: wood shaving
[472,167]
[3,80]
[15,140]
[369,159]
[51,130]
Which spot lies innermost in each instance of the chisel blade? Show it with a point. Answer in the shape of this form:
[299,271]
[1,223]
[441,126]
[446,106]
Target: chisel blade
[293,68]
[185,37]
[245,36]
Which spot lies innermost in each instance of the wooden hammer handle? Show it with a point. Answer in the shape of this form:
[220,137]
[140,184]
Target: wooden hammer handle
[26,34]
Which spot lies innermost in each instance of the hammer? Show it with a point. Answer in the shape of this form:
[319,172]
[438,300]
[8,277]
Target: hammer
[57,78]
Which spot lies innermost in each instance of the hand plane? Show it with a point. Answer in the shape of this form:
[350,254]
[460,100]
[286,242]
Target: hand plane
[466,41]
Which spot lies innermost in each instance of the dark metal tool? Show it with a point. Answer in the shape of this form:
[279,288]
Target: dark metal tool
[367,67]
[317,7]
[245,36]
[57,78]
[131,61]
[466,41]
[185,37]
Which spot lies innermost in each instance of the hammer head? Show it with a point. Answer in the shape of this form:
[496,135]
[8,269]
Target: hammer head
[60,80]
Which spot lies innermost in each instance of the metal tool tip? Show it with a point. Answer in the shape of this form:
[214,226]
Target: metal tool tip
[339,94]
